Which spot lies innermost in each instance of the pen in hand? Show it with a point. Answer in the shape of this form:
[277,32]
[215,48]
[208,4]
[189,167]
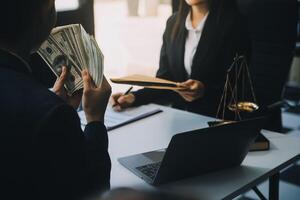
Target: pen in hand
[126,93]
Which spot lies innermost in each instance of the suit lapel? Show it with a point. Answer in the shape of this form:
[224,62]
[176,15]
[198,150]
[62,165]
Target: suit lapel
[205,46]
[181,67]
[178,49]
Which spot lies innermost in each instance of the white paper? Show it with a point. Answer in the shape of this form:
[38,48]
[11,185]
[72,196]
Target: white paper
[113,118]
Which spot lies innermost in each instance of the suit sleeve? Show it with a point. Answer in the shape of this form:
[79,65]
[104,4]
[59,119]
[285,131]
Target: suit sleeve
[146,95]
[71,162]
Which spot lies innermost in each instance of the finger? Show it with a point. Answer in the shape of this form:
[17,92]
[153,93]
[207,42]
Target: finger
[113,102]
[104,83]
[197,85]
[191,97]
[122,100]
[194,94]
[77,94]
[117,95]
[114,99]
[117,108]
[87,81]
[188,98]
[62,79]
[194,87]
[190,81]
[183,88]
[64,73]
[188,93]
[183,85]
[187,83]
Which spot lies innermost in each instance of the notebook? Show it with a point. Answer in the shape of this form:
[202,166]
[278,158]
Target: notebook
[261,143]
[115,119]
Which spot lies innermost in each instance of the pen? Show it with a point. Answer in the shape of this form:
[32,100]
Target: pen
[127,92]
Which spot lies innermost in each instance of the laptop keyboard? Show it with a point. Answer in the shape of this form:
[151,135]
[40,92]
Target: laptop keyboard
[150,170]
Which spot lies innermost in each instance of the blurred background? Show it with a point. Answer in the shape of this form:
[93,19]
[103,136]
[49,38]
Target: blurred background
[129,33]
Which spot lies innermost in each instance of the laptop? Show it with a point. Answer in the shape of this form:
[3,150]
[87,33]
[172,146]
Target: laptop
[196,152]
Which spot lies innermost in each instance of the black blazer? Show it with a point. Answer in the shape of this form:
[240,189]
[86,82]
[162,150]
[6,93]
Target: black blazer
[223,36]
[44,153]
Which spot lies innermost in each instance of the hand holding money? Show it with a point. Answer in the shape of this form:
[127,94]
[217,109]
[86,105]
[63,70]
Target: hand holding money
[95,99]
[59,89]
[72,47]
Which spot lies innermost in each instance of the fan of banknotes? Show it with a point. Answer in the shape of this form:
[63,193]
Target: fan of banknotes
[71,46]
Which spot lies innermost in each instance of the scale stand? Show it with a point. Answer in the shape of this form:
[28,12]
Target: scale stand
[235,97]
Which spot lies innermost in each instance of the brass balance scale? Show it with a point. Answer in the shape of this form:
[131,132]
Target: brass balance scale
[236,97]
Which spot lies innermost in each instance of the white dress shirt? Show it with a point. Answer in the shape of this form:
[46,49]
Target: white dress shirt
[192,41]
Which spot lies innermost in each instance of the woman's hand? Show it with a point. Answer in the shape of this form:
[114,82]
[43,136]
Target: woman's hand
[119,101]
[60,90]
[192,90]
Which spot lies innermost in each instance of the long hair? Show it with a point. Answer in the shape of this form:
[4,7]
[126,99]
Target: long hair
[214,6]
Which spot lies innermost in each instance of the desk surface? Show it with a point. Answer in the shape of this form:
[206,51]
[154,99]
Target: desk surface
[155,133]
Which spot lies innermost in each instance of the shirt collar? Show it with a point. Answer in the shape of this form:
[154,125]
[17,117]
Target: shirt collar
[200,26]
[14,61]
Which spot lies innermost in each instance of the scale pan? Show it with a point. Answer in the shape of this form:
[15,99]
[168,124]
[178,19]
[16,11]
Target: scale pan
[219,123]
[244,106]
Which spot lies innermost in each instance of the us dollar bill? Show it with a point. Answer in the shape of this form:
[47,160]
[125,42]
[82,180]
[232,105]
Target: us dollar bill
[73,47]
[56,59]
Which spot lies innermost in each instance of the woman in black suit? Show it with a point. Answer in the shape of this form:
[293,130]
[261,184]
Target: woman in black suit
[199,44]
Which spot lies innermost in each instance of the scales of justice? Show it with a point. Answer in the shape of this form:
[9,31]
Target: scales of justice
[238,95]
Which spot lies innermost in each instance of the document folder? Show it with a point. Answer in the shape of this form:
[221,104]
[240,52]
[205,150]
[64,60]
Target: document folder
[147,82]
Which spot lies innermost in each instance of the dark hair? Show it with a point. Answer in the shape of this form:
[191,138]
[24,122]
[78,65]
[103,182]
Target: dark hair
[16,17]
[214,6]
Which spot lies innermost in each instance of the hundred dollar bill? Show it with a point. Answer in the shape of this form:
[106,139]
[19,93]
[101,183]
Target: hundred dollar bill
[62,40]
[56,59]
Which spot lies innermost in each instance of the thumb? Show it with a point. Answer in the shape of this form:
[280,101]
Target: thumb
[87,81]
[61,80]
[195,86]
[189,82]
[186,83]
